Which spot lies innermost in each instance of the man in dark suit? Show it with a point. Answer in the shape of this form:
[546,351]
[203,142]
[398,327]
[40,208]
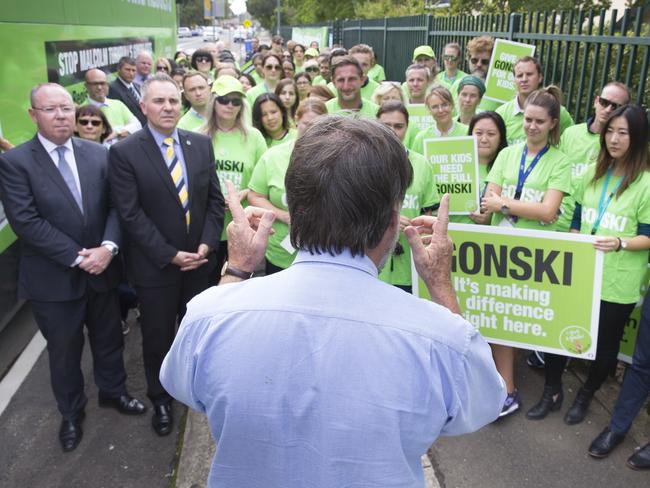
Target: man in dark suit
[164,185]
[125,90]
[55,194]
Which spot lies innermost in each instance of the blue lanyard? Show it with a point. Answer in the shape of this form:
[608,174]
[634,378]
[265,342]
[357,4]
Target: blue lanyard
[525,172]
[602,203]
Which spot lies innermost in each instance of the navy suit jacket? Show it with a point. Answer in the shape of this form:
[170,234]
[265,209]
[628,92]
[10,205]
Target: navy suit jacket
[49,224]
[118,91]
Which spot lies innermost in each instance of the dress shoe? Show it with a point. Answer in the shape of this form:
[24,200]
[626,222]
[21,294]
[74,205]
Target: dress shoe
[578,410]
[70,433]
[640,459]
[551,400]
[605,443]
[162,419]
[125,404]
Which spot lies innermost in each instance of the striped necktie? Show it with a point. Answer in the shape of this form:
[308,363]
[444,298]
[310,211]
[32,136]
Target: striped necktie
[176,172]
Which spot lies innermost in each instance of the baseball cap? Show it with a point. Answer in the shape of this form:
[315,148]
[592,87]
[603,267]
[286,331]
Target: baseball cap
[311,52]
[423,51]
[227,84]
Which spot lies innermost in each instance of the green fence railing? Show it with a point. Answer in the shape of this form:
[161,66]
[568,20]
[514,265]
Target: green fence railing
[580,51]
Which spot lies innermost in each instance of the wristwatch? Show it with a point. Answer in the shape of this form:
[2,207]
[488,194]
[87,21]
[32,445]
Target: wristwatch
[505,210]
[112,249]
[229,270]
[622,245]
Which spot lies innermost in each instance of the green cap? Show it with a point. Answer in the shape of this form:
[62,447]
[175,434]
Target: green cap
[473,81]
[312,52]
[227,84]
[423,51]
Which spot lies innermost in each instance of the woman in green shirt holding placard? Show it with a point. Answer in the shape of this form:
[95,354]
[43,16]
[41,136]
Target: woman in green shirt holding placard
[613,204]
[267,188]
[441,105]
[421,197]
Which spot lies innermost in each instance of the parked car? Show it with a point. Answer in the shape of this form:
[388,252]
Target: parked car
[184,32]
[211,34]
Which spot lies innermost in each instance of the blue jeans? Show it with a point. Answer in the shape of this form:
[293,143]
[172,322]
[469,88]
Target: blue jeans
[636,384]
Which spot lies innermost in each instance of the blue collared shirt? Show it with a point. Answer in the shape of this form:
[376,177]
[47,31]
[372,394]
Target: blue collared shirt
[178,150]
[328,377]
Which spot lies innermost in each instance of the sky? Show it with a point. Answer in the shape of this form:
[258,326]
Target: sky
[238,6]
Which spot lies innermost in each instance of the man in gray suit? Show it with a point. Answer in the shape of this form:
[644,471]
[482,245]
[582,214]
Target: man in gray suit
[55,194]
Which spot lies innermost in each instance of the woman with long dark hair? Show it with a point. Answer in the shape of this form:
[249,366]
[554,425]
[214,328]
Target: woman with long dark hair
[272,120]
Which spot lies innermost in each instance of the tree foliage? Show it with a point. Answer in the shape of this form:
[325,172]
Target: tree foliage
[262,10]
[190,12]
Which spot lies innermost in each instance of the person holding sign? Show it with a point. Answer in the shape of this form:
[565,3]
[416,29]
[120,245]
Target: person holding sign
[441,105]
[528,78]
[612,203]
[237,147]
[470,93]
[421,197]
[266,188]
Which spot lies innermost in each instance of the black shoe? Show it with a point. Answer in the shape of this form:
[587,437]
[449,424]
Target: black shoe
[640,459]
[578,410]
[162,419]
[605,443]
[535,360]
[125,404]
[551,400]
[70,433]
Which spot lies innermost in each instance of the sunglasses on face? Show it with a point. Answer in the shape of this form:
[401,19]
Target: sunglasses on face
[449,57]
[94,122]
[272,67]
[161,68]
[608,103]
[312,69]
[483,62]
[203,59]
[235,102]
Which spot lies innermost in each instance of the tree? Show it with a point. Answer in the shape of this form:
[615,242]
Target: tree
[190,12]
[262,10]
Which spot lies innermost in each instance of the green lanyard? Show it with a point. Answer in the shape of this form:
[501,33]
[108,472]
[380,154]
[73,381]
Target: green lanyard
[602,203]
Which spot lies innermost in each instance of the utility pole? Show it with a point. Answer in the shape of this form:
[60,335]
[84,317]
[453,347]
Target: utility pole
[277,11]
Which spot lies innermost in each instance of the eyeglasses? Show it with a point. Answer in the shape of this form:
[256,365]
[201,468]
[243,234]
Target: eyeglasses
[273,67]
[608,103]
[66,109]
[484,62]
[203,59]
[442,106]
[162,68]
[312,69]
[449,57]
[235,102]
[94,122]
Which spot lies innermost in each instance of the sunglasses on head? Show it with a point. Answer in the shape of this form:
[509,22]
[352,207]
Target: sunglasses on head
[608,103]
[484,62]
[94,122]
[203,59]
[235,102]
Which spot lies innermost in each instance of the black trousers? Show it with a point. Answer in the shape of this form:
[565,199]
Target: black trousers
[161,308]
[613,317]
[62,324]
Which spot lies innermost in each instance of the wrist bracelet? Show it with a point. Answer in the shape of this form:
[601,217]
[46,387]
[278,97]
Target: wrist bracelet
[620,244]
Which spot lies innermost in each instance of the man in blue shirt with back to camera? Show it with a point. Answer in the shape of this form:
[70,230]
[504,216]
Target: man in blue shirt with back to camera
[327,375]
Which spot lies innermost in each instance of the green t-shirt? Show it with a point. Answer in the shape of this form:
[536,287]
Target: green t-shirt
[482,176]
[117,114]
[366,90]
[289,136]
[368,109]
[268,180]
[622,271]
[581,148]
[319,80]
[450,83]
[258,79]
[256,91]
[513,116]
[376,73]
[487,105]
[191,121]
[236,158]
[457,130]
[421,194]
[552,172]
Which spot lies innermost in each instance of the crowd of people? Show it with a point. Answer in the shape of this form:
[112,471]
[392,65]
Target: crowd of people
[143,209]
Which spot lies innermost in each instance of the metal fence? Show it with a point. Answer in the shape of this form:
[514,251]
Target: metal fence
[579,51]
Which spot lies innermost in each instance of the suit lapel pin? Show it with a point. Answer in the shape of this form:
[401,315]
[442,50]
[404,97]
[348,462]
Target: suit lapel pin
[189,143]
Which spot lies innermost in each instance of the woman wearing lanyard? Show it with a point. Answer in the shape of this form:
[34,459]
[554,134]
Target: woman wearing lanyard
[272,120]
[236,146]
[525,189]
[612,203]
[267,188]
[421,197]
[441,105]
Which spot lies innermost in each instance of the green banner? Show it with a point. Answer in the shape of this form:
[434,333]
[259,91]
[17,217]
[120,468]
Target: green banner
[628,342]
[419,116]
[305,35]
[529,289]
[499,83]
[455,171]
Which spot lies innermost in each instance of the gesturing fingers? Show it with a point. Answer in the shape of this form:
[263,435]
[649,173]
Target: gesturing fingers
[232,198]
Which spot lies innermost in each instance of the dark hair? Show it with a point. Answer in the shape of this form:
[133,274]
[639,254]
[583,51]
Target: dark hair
[321,91]
[345,180]
[272,55]
[393,106]
[178,72]
[96,112]
[293,67]
[501,127]
[280,87]
[345,61]
[635,160]
[125,60]
[257,112]
[250,79]
[201,52]
[300,46]
[549,98]
[302,74]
